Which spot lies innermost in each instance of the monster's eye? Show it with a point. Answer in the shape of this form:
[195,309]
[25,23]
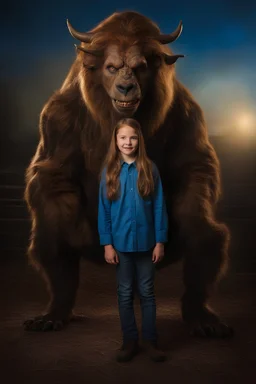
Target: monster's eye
[111,69]
[90,66]
[143,65]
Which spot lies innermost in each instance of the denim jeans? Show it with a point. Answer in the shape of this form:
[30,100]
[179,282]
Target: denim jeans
[136,267]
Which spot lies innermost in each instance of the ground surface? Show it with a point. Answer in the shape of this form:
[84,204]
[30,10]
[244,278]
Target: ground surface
[84,352]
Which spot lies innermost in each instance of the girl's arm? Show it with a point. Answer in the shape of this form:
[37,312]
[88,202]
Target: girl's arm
[104,215]
[159,207]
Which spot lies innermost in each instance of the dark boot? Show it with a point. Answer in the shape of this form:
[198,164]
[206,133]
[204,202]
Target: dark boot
[128,350]
[153,351]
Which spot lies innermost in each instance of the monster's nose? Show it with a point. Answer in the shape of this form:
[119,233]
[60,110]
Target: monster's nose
[124,89]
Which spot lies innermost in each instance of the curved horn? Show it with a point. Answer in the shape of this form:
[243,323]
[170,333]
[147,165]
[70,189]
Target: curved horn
[93,52]
[86,37]
[165,39]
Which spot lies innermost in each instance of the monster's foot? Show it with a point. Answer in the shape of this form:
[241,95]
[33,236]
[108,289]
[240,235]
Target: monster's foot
[203,322]
[48,322]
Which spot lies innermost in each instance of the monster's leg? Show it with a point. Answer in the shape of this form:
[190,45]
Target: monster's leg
[59,264]
[206,259]
[59,231]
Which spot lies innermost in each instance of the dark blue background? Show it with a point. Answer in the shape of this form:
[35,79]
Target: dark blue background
[218,40]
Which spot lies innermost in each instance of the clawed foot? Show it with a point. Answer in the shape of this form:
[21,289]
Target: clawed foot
[211,330]
[206,324]
[45,323]
[50,322]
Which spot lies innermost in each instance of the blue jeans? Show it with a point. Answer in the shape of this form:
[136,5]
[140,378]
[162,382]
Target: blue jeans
[136,266]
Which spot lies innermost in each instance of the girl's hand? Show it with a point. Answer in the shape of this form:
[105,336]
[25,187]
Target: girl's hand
[158,253]
[111,255]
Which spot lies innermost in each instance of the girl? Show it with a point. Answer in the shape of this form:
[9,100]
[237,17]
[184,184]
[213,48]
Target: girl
[133,225]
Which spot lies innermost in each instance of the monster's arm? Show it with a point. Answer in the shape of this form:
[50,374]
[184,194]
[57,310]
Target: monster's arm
[54,166]
[104,213]
[159,209]
[194,162]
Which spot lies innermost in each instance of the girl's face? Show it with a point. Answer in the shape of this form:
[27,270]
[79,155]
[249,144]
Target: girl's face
[127,141]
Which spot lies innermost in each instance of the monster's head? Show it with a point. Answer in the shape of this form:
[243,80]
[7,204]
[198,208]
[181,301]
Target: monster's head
[125,62]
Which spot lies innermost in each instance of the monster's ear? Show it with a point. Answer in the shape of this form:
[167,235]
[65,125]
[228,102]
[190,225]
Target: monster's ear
[171,59]
[91,58]
[158,59]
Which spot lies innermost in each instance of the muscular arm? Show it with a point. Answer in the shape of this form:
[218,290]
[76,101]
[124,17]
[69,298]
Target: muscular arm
[54,167]
[193,162]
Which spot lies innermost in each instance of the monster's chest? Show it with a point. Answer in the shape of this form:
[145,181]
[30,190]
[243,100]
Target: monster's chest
[93,153]
[156,150]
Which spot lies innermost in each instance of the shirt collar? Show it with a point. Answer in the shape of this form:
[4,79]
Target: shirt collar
[122,162]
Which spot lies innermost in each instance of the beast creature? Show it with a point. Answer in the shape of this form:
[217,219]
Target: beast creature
[124,68]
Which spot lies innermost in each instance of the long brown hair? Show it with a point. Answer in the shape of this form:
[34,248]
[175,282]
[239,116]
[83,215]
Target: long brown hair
[112,163]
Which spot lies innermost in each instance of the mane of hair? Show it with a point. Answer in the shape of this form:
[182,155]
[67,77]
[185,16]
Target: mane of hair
[125,29]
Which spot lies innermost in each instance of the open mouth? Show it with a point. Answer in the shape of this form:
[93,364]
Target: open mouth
[127,104]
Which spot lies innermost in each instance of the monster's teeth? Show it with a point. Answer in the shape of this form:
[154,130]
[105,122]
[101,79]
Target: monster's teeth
[126,103]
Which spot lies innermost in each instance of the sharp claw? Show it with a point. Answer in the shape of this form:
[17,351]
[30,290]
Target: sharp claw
[44,323]
[38,324]
[198,331]
[28,322]
[218,330]
[27,327]
[201,332]
[48,326]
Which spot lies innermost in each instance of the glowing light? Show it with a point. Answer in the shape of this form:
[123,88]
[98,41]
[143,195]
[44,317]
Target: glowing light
[246,123]
[228,105]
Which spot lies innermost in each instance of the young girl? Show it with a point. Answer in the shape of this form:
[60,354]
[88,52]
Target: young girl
[133,224]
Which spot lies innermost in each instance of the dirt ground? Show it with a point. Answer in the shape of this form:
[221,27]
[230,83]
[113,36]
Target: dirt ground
[84,352]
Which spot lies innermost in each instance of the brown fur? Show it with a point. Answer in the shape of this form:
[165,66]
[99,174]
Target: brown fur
[75,130]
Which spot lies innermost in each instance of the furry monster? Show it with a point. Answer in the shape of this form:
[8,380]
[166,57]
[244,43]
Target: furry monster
[124,68]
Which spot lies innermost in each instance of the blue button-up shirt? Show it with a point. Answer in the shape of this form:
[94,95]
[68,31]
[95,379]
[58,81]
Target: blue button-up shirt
[131,223]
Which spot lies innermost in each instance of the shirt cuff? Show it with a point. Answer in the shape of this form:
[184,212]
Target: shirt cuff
[106,239]
[162,236]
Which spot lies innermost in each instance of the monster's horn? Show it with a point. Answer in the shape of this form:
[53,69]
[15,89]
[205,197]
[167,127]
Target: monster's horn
[93,52]
[165,39]
[86,37]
